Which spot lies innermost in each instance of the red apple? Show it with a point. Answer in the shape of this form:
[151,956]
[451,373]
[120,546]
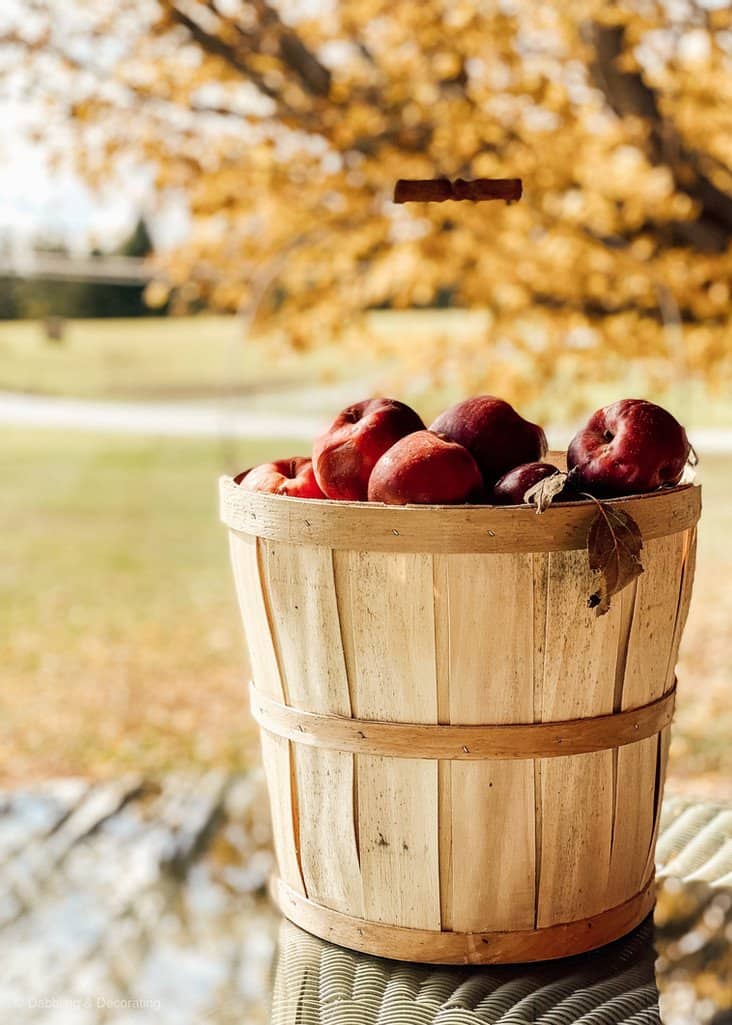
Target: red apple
[346,454]
[425,469]
[628,447]
[293,477]
[494,433]
[512,486]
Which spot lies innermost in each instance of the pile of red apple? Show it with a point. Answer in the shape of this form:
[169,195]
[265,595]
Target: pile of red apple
[478,451]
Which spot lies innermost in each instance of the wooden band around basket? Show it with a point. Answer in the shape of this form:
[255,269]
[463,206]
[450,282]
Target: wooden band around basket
[365,526]
[432,947]
[462,743]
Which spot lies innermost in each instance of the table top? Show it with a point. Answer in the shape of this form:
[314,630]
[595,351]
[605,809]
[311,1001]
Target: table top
[138,903]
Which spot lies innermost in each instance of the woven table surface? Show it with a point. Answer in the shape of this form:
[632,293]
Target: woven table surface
[677,972]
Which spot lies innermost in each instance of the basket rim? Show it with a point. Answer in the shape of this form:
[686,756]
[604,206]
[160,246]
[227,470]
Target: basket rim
[373,526]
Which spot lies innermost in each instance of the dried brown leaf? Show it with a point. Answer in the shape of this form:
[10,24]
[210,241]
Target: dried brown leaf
[614,544]
[689,475]
[543,493]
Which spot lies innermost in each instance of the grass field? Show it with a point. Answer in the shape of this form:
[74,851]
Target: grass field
[120,645]
[209,358]
[166,358]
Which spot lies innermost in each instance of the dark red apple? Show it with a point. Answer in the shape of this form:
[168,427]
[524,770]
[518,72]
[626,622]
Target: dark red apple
[628,447]
[293,477]
[512,486]
[425,469]
[346,454]
[493,432]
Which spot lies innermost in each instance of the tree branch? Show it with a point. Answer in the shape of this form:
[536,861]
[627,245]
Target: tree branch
[628,95]
[297,59]
[600,311]
[313,75]
[215,45]
[294,54]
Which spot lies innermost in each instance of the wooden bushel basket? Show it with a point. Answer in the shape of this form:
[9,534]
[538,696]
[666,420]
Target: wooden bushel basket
[464,763]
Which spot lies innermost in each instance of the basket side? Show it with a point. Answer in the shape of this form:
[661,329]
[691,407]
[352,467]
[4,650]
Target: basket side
[276,751]
[464,639]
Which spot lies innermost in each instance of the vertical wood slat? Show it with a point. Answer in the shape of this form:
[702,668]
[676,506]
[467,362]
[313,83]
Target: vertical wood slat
[649,644]
[300,589]
[255,617]
[687,583]
[654,618]
[440,597]
[576,793]
[489,883]
[540,573]
[276,751]
[664,743]
[387,622]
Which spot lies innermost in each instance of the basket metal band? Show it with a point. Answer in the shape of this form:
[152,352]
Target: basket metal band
[431,946]
[464,743]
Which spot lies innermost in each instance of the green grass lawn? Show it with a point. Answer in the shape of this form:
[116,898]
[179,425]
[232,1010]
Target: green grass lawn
[121,646]
[155,358]
[120,643]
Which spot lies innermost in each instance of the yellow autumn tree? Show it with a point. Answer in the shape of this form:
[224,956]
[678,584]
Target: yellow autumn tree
[286,125]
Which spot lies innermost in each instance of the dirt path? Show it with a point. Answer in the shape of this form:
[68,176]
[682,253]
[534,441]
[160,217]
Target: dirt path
[172,419]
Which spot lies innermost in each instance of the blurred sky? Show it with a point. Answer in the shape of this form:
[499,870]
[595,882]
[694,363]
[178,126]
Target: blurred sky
[37,201]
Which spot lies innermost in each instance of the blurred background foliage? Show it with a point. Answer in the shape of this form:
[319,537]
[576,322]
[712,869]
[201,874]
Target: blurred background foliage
[285,127]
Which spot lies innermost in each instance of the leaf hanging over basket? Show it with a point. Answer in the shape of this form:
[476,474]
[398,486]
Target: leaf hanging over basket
[614,544]
[543,493]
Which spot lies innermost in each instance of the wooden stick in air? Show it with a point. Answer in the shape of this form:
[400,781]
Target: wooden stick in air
[437,190]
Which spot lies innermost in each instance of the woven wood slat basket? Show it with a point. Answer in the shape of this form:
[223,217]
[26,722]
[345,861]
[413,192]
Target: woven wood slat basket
[464,763]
